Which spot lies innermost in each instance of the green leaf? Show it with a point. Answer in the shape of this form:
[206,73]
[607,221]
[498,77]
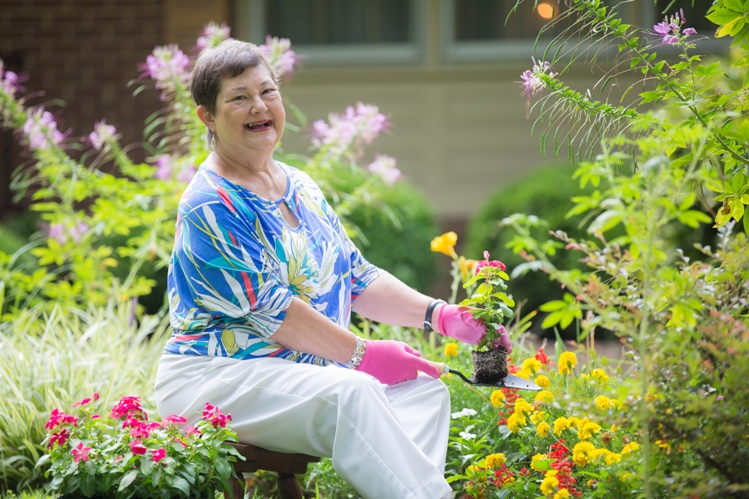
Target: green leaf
[735,5]
[746,224]
[223,468]
[693,218]
[742,62]
[723,16]
[552,319]
[737,208]
[88,485]
[551,306]
[127,480]
[181,484]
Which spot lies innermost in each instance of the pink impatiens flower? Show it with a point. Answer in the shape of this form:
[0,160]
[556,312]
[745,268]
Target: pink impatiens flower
[138,448]
[213,415]
[489,263]
[129,406]
[173,419]
[159,454]
[58,438]
[58,418]
[80,453]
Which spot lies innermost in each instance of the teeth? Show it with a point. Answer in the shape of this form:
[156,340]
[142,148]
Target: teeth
[257,124]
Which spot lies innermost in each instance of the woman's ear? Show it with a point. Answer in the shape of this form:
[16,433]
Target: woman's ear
[206,117]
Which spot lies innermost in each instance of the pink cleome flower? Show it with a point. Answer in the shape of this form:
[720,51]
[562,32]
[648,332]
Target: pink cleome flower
[357,127]
[670,28]
[384,167]
[213,34]
[101,135]
[40,129]
[278,53]
[169,66]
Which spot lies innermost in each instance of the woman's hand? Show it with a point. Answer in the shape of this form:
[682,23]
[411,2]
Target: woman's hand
[458,322]
[391,362]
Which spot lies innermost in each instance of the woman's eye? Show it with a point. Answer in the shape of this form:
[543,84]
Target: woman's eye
[238,97]
[268,90]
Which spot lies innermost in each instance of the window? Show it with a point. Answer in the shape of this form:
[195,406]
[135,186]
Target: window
[343,31]
[487,19]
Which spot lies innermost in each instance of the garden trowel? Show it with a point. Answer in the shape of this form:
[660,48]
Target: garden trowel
[509,381]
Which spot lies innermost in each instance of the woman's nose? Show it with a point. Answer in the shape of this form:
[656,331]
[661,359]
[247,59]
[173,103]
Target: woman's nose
[258,106]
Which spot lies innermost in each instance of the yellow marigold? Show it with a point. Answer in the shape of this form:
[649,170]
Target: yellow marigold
[613,458]
[544,396]
[451,350]
[542,381]
[613,428]
[600,375]
[603,402]
[524,373]
[562,494]
[630,447]
[538,416]
[587,430]
[531,364]
[535,459]
[550,483]
[625,476]
[576,422]
[650,396]
[560,424]
[567,361]
[494,461]
[445,243]
[594,454]
[580,453]
[663,445]
[497,398]
[542,429]
[513,423]
[522,407]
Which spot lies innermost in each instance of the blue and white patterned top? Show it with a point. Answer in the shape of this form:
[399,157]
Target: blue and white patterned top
[237,264]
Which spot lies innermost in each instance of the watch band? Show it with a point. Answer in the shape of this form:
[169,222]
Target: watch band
[358,355]
[428,317]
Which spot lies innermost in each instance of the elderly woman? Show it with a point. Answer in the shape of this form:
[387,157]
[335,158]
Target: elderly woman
[261,286]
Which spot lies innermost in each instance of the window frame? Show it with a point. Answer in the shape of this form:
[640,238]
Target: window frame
[520,50]
[354,54]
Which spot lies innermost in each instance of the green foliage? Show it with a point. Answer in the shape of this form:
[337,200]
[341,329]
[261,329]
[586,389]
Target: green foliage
[547,194]
[54,358]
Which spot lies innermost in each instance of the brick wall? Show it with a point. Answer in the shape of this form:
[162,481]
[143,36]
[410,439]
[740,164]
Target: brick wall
[83,52]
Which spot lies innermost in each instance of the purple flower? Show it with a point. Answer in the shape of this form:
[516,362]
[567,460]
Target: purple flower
[167,65]
[101,135]
[41,129]
[670,28]
[78,231]
[532,82]
[60,233]
[57,232]
[9,81]
[186,173]
[351,131]
[384,167]
[163,167]
[278,53]
[212,36]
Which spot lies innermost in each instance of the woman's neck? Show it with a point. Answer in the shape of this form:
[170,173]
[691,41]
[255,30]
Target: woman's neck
[262,176]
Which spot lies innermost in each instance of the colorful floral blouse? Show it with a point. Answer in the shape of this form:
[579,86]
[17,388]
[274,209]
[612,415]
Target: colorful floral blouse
[237,264]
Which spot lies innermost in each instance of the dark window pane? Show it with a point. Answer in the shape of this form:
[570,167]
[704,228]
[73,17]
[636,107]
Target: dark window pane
[485,19]
[695,15]
[324,22]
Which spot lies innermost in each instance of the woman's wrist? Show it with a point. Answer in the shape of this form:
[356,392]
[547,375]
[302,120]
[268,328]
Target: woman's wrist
[358,353]
[430,318]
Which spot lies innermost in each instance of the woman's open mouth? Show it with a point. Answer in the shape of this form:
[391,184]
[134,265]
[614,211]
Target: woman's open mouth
[259,126]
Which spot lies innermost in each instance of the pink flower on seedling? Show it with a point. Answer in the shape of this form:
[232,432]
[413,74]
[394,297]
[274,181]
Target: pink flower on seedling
[191,430]
[129,406]
[173,419]
[159,454]
[487,263]
[57,418]
[138,448]
[80,453]
[214,416]
[58,438]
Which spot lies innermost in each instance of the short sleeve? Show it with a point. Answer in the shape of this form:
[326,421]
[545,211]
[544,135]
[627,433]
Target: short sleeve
[221,273]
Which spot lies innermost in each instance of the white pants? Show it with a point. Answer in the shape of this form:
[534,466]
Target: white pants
[386,441]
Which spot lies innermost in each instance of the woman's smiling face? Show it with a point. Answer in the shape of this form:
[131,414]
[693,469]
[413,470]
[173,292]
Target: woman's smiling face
[249,113]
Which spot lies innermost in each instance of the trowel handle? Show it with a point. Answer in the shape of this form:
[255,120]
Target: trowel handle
[442,368]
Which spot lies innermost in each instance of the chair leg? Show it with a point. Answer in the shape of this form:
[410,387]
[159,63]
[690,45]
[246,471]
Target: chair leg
[237,490]
[288,486]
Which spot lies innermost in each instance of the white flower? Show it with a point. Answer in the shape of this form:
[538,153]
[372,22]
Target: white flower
[464,413]
[466,435]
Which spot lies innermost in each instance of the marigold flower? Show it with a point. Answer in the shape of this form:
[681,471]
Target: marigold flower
[560,424]
[538,416]
[650,396]
[445,244]
[612,458]
[613,428]
[535,461]
[524,373]
[497,398]
[513,423]
[543,429]
[630,447]
[550,482]
[451,350]
[603,402]
[522,407]
[600,375]
[587,430]
[580,453]
[493,461]
[542,381]
[531,364]
[562,494]
[567,361]
[544,396]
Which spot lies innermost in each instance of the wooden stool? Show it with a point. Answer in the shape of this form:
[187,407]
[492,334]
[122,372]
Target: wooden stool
[286,465]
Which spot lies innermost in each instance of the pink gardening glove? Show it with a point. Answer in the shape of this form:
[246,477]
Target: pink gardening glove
[458,322]
[391,362]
